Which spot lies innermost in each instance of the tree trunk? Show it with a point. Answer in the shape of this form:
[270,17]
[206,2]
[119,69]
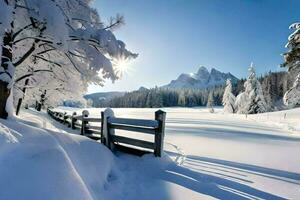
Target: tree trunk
[43,98]
[4,94]
[21,99]
[40,104]
[5,60]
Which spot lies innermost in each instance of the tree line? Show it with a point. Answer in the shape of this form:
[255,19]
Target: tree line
[274,85]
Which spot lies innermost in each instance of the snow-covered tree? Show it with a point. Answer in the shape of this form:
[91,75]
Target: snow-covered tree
[210,102]
[32,30]
[252,100]
[181,98]
[292,96]
[292,57]
[292,62]
[240,103]
[60,83]
[57,90]
[228,98]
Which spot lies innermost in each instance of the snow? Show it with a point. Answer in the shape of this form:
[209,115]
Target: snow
[208,156]
[42,164]
[220,155]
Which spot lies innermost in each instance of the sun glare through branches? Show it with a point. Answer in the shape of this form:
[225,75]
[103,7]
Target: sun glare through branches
[122,66]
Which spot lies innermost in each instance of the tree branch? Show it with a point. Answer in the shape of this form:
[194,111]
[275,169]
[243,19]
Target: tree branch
[22,29]
[46,60]
[45,51]
[25,56]
[31,74]
[72,62]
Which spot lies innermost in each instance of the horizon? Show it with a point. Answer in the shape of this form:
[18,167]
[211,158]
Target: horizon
[189,73]
[226,36]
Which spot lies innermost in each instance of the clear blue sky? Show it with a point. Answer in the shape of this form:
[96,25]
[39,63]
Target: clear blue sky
[176,36]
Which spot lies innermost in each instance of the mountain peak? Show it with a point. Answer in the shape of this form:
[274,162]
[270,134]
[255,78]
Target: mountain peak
[202,69]
[202,79]
[215,71]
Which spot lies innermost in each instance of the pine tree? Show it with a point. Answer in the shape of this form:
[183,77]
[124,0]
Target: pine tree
[252,100]
[292,96]
[228,98]
[240,103]
[292,63]
[292,57]
[181,99]
[210,102]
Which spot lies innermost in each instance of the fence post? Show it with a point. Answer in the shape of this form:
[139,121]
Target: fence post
[85,114]
[73,120]
[60,115]
[106,131]
[108,136]
[56,116]
[160,116]
[103,135]
[64,118]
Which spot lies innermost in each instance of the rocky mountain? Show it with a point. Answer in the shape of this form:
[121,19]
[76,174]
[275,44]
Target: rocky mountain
[201,79]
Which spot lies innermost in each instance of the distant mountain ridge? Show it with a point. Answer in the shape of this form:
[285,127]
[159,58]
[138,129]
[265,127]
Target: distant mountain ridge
[102,96]
[201,79]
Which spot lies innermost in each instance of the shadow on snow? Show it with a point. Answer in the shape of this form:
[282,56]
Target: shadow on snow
[223,186]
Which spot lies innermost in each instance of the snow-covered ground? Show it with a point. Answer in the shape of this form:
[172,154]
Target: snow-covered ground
[222,156]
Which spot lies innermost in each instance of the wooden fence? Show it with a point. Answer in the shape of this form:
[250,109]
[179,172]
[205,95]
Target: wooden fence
[105,130]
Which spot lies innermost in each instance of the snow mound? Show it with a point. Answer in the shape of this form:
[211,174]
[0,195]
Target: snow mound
[41,164]
[7,135]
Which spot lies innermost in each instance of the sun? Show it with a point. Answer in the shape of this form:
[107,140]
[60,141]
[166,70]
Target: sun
[121,66]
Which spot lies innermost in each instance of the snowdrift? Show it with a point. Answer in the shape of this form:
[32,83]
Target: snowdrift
[208,156]
[37,164]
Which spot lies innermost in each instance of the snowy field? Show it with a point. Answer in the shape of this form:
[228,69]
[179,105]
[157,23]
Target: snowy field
[213,156]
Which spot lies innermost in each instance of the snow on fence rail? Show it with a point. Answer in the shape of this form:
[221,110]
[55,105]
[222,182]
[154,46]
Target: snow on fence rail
[105,132]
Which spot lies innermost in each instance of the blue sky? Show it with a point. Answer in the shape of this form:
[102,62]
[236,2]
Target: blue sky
[176,36]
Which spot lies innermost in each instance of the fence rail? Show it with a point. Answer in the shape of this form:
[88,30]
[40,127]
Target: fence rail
[106,131]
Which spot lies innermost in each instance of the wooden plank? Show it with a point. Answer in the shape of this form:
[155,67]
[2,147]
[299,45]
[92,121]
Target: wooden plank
[129,150]
[95,131]
[92,119]
[135,142]
[93,127]
[77,123]
[78,126]
[133,129]
[134,122]
[79,117]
